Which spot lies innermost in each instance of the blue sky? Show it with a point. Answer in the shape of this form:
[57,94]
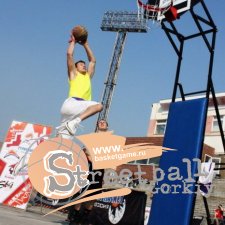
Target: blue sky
[33,42]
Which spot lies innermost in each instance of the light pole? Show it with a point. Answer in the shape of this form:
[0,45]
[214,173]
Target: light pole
[120,22]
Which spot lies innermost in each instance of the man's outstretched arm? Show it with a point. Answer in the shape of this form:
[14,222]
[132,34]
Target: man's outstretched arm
[91,59]
[70,60]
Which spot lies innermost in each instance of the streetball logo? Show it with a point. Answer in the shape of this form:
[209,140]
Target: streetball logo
[58,168]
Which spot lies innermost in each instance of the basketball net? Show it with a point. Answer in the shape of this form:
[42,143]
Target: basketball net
[155,13]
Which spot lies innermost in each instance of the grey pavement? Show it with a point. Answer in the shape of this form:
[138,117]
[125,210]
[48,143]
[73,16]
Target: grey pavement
[33,216]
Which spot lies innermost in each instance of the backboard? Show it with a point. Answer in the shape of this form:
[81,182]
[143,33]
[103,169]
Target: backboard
[156,9]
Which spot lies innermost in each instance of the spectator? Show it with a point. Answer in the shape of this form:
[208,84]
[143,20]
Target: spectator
[80,214]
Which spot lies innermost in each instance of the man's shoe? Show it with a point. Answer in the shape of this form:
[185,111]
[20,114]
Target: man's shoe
[72,126]
[64,134]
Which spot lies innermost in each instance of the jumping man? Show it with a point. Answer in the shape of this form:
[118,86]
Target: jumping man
[78,106]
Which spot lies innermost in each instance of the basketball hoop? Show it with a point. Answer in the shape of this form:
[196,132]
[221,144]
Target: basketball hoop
[156,8]
[155,12]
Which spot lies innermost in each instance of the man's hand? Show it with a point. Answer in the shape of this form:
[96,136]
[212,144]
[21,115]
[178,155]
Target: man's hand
[72,39]
[84,44]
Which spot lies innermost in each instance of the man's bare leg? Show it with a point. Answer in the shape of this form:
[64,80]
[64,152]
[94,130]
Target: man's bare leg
[90,111]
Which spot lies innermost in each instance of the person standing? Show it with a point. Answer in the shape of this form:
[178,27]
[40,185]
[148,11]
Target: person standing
[80,214]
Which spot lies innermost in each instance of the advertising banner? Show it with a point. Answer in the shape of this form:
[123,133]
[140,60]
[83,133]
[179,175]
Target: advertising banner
[129,210]
[21,139]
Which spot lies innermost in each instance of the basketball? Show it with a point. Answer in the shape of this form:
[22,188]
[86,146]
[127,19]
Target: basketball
[80,33]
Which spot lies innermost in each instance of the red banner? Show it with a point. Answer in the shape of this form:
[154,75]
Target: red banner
[21,139]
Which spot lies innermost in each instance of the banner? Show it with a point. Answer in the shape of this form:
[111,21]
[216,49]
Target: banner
[21,139]
[125,210]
